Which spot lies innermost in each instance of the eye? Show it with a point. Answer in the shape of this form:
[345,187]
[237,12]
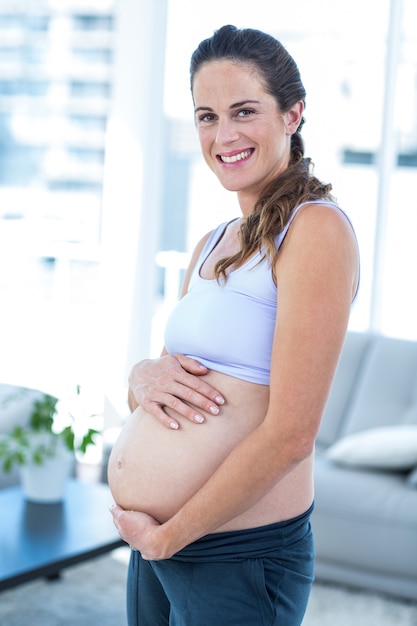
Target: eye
[245,112]
[204,118]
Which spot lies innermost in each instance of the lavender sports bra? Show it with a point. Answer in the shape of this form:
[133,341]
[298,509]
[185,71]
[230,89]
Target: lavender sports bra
[229,327]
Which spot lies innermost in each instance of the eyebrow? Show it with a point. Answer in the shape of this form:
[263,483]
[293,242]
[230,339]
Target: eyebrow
[236,105]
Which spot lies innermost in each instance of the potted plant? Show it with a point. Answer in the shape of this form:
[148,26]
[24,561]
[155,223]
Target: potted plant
[44,449]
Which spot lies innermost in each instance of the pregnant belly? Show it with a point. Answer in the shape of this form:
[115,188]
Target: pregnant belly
[156,470]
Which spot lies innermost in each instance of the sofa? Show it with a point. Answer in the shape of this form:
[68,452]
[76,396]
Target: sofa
[365,517]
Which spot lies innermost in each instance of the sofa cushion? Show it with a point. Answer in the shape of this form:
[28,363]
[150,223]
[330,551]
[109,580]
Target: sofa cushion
[390,447]
[366,519]
[386,390]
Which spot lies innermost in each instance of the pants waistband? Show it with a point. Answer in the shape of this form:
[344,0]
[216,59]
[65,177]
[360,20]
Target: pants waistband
[256,542]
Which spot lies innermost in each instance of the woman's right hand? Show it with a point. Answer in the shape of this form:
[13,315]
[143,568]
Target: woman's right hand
[172,381]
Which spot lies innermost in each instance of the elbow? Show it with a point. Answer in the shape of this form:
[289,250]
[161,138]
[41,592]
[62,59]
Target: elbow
[295,441]
[302,452]
[299,447]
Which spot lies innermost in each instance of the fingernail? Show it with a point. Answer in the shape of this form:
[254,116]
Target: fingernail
[219,400]
[199,419]
[173,425]
[214,410]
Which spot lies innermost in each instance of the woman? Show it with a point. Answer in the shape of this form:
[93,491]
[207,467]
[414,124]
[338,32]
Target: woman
[218,513]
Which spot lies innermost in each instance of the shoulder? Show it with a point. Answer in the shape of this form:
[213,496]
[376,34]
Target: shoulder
[316,220]
[320,242]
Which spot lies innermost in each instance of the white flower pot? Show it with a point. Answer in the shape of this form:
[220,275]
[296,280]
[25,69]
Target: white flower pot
[46,482]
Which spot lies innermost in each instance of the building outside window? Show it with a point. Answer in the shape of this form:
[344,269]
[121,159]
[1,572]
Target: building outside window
[55,93]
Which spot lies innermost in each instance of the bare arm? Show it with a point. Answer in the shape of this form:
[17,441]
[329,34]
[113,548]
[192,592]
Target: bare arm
[317,275]
[174,381]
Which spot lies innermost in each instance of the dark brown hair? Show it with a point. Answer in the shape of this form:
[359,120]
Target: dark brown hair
[297,183]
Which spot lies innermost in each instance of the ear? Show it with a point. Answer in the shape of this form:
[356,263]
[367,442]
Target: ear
[293,117]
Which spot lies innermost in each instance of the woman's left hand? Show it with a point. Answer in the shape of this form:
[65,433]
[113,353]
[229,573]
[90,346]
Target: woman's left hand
[141,531]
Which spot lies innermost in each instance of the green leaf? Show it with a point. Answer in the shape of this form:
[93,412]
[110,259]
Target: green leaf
[43,413]
[38,457]
[68,436]
[88,440]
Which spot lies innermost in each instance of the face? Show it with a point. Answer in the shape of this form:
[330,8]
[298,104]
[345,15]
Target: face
[244,138]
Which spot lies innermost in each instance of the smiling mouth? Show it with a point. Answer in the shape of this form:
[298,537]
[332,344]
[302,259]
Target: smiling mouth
[236,157]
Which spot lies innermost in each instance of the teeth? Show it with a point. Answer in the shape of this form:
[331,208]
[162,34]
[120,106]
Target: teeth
[235,157]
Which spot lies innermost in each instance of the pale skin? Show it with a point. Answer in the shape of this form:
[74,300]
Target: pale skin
[317,274]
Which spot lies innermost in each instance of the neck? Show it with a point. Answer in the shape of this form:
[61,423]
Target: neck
[247,204]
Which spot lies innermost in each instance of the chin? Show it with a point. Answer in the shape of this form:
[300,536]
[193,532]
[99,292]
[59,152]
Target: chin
[235,186]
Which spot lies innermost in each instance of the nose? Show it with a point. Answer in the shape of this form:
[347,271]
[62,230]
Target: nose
[227,132]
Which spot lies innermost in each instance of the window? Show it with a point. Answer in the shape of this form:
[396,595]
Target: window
[36,23]
[34,55]
[8,55]
[87,155]
[52,131]
[89,122]
[89,89]
[10,87]
[93,22]
[10,21]
[93,55]
[36,87]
